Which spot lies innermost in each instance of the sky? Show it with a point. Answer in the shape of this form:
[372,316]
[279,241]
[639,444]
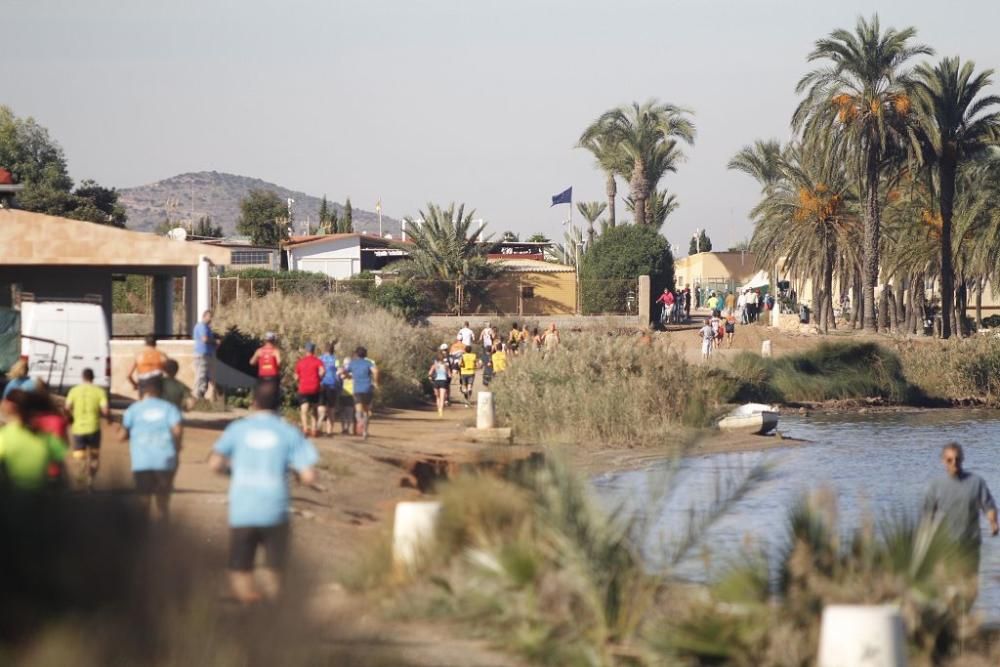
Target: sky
[474,101]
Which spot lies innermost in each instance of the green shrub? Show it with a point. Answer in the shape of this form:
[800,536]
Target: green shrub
[610,267]
[402,298]
[955,369]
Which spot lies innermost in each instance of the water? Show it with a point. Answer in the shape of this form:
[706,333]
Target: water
[877,465]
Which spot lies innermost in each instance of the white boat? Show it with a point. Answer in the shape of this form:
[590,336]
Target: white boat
[751,418]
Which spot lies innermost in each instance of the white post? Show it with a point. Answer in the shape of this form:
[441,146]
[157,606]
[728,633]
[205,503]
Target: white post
[413,533]
[862,635]
[765,348]
[203,288]
[485,415]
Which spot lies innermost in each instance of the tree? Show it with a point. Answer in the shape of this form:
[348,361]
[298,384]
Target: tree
[205,228]
[958,124]
[701,244]
[538,238]
[509,237]
[645,138]
[591,211]
[264,218]
[861,96]
[599,140]
[611,267]
[568,251]
[346,225]
[658,207]
[324,216]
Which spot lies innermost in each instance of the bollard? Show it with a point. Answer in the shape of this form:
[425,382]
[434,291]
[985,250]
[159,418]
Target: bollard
[412,533]
[765,348]
[862,636]
[485,417]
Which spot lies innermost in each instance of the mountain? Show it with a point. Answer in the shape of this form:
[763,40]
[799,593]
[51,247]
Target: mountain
[218,195]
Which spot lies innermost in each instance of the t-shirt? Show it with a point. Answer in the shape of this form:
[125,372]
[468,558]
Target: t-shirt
[174,392]
[467,334]
[707,333]
[24,384]
[86,402]
[27,455]
[267,362]
[361,374]
[487,337]
[956,503]
[151,444]
[441,370]
[712,303]
[261,448]
[331,378]
[149,362]
[730,301]
[308,370]
[468,366]
[499,361]
[202,331]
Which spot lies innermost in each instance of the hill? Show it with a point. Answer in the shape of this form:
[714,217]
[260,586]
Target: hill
[218,195]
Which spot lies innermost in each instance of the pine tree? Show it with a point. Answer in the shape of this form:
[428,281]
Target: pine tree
[703,244]
[324,216]
[347,223]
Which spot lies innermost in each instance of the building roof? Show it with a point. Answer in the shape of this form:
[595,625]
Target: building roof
[366,240]
[518,265]
[35,238]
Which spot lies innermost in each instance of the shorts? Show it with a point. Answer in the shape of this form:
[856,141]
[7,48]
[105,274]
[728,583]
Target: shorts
[441,384]
[88,441]
[153,481]
[363,397]
[330,396]
[468,379]
[244,540]
[309,399]
[274,379]
[706,346]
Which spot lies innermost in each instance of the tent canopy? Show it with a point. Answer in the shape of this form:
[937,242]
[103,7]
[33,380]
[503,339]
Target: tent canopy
[759,279]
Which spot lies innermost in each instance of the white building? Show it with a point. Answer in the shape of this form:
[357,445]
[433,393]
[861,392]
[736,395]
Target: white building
[340,256]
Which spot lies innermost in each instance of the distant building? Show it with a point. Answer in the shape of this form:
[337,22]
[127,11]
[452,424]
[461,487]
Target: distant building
[245,255]
[341,256]
[520,250]
[527,286]
[719,271]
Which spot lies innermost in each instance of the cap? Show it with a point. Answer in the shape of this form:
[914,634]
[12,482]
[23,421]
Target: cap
[270,335]
[310,347]
[444,346]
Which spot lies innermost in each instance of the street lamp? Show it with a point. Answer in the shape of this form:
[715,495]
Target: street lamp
[697,241]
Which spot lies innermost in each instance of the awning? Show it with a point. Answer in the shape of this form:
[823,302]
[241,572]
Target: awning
[759,279]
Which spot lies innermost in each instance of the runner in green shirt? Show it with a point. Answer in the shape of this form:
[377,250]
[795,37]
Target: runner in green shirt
[29,458]
[87,403]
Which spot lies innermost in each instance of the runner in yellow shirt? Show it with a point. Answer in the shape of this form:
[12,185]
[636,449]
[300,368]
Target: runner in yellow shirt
[500,359]
[467,372]
[87,403]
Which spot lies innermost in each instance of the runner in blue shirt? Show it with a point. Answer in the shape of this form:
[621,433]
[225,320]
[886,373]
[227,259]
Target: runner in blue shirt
[257,451]
[364,374]
[329,389]
[153,430]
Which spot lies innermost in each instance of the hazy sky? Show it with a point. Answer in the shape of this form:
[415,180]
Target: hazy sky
[478,101]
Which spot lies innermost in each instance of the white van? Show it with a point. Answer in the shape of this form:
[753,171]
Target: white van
[61,338]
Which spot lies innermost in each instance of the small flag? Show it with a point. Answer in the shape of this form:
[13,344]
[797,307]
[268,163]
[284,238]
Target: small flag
[564,197]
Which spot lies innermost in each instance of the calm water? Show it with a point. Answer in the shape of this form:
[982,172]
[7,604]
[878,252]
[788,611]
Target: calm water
[876,464]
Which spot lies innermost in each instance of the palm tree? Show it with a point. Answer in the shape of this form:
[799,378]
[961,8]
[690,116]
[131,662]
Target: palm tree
[861,97]
[659,205]
[598,140]
[761,161]
[591,211]
[957,125]
[645,139]
[567,251]
[450,250]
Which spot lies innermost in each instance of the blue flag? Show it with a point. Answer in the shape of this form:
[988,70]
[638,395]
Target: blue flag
[564,197]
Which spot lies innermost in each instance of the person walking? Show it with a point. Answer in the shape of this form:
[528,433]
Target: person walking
[486,363]
[440,375]
[730,303]
[18,378]
[514,338]
[149,364]
[257,453]
[466,335]
[667,301]
[267,359]
[752,304]
[550,339]
[364,376]
[174,391]
[487,336]
[30,457]
[152,427]
[730,327]
[329,388]
[87,403]
[467,373]
[955,501]
[204,355]
[707,336]
[741,306]
[687,302]
[309,371]
[347,424]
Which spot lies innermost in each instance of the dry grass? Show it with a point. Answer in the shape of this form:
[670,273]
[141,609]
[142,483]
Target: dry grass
[953,370]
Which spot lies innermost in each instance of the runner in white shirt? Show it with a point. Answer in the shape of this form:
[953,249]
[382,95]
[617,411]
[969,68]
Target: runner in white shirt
[486,336]
[467,335]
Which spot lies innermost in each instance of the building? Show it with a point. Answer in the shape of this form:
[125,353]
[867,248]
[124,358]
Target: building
[341,256]
[245,255]
[719,271]
[528,286]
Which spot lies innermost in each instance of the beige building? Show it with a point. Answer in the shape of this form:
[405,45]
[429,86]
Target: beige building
[533,287]
[720,271]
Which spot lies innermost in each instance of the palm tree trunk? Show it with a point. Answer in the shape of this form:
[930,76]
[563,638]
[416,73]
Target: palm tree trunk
[612,191]
[828,288]
[856,305]
[640,191]
[883,308]
[947,177]
[979,303]
[893,321]
[872,237]
[900,307]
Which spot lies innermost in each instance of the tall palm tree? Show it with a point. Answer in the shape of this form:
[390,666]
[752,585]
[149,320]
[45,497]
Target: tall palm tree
[659,205]
[958,124]
[861,96]
[761,161]
[598,140]
[591,211]
[646,137]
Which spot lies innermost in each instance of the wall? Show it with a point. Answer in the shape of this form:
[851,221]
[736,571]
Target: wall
[564,322]
[123,354]
[553,293]
[337,258]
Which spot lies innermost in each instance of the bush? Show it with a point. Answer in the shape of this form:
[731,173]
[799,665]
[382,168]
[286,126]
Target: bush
[286,282]
[617,258]
[401,351]
[607,391]
[401,298]
[954,370]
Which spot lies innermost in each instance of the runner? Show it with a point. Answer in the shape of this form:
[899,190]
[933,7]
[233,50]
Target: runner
[364,374]
[707,336]
[204,355]
[347,425]
[467,373]
[152,427]
[29,456]
[513,338]
[730,327]
[257,452]
[329,389]
[550,339]
[174,391]
[440,374]
[443,350]
[309,372]
[18,378]
[500,359]
[667,299]
[267,359]
[455,353]
[730,302]
[716,323]
[486,363]
[87,404]
[148,364]
[536,339]
[466,335]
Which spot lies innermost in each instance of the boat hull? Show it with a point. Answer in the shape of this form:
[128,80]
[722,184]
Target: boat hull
[760,423]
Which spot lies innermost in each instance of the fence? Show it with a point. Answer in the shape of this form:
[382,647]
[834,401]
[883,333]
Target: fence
[507,294]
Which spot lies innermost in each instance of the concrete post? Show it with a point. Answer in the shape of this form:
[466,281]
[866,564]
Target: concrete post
[645,299]
[203,288]
[765,348]
[862,635]
[412,533]
[485,416]
[163,305]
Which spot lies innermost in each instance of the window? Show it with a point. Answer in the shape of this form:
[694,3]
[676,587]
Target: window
[527,291]
[251,257]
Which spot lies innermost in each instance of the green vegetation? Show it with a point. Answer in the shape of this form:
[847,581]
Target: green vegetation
[607,392]
[612,265]
[700,244]
[264,218]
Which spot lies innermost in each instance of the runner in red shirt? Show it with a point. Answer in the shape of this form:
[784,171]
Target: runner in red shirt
[309,372]
[267,359]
